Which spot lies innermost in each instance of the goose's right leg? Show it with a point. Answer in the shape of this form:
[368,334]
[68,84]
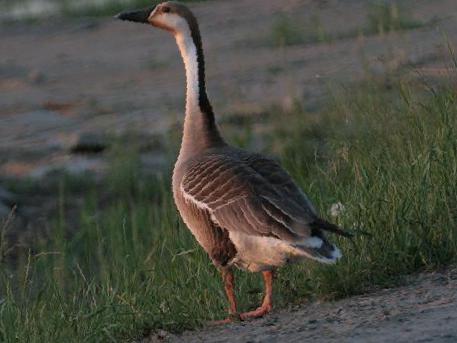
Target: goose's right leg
[267,303]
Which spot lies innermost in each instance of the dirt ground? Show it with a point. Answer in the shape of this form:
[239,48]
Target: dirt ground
[424,310]
[67,79]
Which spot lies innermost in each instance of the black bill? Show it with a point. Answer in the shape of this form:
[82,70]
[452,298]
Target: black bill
[138,16]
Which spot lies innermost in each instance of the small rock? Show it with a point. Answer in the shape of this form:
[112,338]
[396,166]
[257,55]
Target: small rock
[337,209]
[90,143]
[36,77]
[162,334]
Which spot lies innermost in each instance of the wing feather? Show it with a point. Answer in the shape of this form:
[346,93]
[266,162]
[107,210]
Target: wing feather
[240,198]
[252,194]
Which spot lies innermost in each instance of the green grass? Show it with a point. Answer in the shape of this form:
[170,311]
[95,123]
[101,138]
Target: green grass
[390,156]
[385,18]
[381,19]
[286,31]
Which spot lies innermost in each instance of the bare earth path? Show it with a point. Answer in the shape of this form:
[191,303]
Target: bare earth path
[425,310]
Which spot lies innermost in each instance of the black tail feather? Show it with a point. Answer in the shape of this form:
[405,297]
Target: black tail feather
[326,226]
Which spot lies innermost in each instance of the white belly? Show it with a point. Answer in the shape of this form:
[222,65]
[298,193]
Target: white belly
[256,253]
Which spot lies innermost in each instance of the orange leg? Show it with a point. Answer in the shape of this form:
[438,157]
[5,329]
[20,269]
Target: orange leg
[267,303]
[229,282]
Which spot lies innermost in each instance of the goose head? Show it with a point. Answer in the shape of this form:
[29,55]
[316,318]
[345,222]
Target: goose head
[170,16]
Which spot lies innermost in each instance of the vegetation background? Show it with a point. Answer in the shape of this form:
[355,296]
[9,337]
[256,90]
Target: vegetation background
[94,250]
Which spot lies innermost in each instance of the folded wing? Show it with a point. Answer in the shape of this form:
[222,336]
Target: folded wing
[251,194]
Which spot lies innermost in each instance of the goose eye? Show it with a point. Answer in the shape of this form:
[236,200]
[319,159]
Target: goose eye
[165,9]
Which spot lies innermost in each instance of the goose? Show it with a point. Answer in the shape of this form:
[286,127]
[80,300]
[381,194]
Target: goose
[242,207]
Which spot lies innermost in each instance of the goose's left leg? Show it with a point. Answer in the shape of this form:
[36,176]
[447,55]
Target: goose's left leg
[267,303]
[229,285]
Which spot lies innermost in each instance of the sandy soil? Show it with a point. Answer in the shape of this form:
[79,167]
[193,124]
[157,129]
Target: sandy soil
[424,310]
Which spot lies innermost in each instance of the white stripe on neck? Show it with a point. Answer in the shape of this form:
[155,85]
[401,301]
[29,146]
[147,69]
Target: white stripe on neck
[189,54]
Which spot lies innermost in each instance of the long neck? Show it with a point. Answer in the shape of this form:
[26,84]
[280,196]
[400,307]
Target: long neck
[200,129]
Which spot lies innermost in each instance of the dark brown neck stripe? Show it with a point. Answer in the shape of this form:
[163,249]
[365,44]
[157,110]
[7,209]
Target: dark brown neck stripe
[203,100]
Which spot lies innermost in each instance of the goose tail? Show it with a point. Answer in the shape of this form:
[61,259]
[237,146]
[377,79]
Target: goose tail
[329,227]
[318,248]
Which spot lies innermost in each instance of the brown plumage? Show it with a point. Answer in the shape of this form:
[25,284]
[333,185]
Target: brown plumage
[242,207]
